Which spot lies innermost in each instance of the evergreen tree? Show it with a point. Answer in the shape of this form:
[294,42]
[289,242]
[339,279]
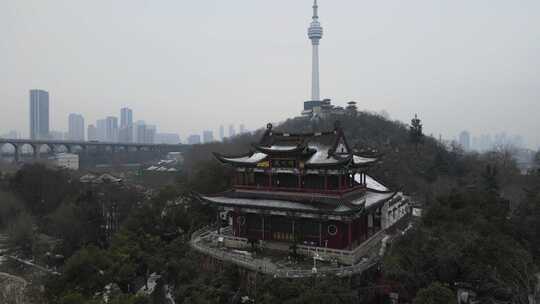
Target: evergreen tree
[415,131]
[490,178]
[351,108]
[436,293]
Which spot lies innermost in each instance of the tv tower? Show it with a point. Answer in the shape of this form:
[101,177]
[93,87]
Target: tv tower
[315,32]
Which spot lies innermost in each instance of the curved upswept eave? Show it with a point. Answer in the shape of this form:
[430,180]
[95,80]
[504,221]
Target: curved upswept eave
[280,149]
[248,159]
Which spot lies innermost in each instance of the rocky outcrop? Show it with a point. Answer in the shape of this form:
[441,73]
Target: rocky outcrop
[12,289]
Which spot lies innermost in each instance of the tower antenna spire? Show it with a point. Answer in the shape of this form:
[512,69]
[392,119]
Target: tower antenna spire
[315,33]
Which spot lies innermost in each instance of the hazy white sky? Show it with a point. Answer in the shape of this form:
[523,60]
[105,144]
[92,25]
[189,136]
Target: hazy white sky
[193,65]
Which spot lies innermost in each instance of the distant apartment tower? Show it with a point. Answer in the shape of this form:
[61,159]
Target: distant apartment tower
[465,140]
[101,126]
[139,129]
[145,134]
[485,142]
[111,133]
[150,135]
[39,114]
[125,134]
[11,134]
[126,117]
[242,129]
[57,135]
[92,132]
[194,139]
[221,132]
[208,136]
[75,127]
[232,131]
[167,138]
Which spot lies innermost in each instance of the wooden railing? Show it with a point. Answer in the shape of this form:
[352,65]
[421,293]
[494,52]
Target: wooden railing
[301,190]
[347,256]
[202,238]
[225,255]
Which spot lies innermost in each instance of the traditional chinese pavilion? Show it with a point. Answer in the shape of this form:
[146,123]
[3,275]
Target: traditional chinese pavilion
[311,189]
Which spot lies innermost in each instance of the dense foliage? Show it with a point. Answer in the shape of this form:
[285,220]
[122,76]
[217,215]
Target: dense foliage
[465,237]
[481,227]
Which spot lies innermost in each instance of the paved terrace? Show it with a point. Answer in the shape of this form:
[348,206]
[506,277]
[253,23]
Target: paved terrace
[222,246]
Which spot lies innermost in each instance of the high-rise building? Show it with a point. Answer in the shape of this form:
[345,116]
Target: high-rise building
[111,133]
[75,127]
[144,134]
[167,138]
[39,114]
[92,132]
[221,132]
[101,126]
[57,135]
[242,129]
[125,134]
[126,117]
[232,131]
[208,136]
[194,139]
[139,129]
[465,140]
[150,135]
[475,143]
[486,142]
[13,134]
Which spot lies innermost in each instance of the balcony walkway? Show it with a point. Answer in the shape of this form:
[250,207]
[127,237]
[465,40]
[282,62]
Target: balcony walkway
[228,248]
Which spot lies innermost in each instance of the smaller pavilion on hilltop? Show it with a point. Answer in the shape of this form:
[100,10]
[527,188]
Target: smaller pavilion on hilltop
[310,189]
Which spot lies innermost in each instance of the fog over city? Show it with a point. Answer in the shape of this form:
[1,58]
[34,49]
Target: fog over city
[188,66]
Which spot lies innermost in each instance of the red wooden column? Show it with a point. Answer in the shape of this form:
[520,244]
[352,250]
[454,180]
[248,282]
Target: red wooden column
[262,218]
[325,181]
[293,236]
[320,234]
[218,222]
[340,181]
[270,174]
[235,229]
[350,235]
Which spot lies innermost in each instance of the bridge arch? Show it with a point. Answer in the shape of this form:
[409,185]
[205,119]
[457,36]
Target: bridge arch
[77,148]
[24,149]
[4,144]
[60,148]
[46,148]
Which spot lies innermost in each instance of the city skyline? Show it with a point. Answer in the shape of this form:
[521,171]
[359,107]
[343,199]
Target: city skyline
[476,75]
[110,128]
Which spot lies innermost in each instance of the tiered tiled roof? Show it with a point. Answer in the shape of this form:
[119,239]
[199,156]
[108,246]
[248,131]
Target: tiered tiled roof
[303,202]
[322,149]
